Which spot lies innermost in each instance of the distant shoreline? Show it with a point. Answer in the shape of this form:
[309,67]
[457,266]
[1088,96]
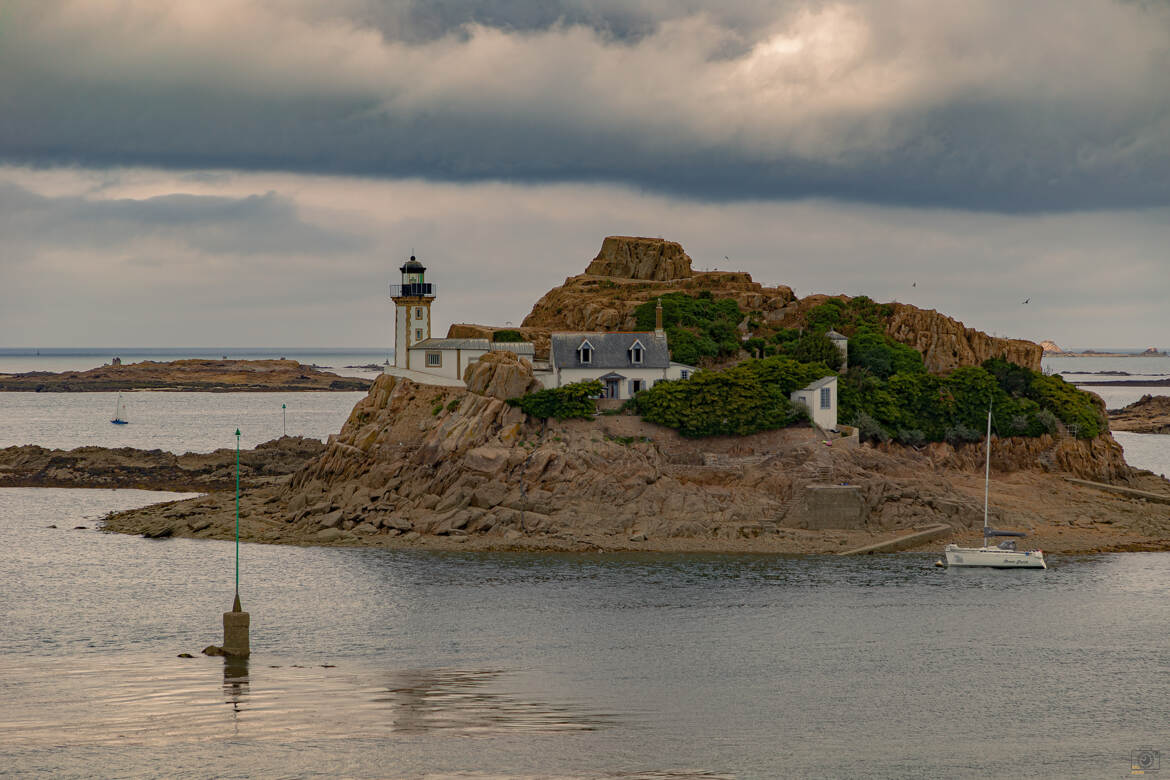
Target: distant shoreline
[186,375]
[1092,354]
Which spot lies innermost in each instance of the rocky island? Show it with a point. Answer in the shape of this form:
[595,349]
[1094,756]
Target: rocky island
[1149,414]
[188,375]
[126,467]
[467,468]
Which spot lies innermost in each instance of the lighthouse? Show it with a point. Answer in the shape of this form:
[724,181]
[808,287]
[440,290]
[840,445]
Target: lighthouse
[412,302]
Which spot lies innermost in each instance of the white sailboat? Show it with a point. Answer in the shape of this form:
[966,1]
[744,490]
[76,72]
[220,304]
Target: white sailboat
[1001,556]
[119,412]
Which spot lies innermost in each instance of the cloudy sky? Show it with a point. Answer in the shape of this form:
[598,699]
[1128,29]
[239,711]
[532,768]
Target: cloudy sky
[252,172]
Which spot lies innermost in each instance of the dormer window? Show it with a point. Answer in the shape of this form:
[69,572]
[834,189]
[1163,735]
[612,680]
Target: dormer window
[637,352]
[585,352]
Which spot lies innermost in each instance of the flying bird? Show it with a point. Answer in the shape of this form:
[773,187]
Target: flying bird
[914,284]
[1027,299]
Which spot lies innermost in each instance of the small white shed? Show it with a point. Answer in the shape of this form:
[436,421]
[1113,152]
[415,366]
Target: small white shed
[820,398]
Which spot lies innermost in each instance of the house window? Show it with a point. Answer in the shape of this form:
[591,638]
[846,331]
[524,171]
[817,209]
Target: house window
[434,359]
[585,352]
[684,374]
[637,386]
[418,334]
[636,353]
[826,398]
[418,310]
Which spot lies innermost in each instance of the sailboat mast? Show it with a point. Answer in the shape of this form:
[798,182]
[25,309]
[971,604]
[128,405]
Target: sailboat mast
[987,475]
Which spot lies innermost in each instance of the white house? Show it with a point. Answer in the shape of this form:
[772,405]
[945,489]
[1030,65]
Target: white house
[626,363]
[820,398]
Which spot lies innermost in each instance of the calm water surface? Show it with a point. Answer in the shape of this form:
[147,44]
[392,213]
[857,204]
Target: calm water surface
[511,665]
[176,422]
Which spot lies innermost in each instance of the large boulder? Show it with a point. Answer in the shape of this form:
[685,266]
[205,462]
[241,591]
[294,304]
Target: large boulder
[630,257]
[501,375]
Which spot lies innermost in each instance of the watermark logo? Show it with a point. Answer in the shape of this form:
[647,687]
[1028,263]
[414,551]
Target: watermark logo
[1144,761]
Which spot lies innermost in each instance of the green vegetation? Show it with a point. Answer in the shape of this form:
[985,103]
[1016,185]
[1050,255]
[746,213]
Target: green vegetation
[748,398]
[453,405]
[575,400]
[913,406]
[848,316]
[507,336]
[697,327]
[879,354]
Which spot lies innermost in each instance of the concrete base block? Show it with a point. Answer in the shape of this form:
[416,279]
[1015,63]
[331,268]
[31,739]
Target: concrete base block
[235,634]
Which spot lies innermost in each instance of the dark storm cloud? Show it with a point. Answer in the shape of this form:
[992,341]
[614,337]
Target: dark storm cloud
[1056,105]
[257,224]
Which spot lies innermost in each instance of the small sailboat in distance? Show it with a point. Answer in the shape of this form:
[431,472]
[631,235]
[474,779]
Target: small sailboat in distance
[1004,555]
[119,412]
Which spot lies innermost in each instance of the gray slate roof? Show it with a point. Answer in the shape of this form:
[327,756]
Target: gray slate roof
[522,348]
[610,350]
[818,384]
[453,344]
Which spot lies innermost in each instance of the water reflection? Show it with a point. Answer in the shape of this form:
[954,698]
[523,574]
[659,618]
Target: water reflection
[235,680]
[448,700]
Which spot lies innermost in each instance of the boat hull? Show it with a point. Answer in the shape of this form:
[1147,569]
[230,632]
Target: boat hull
[994,558]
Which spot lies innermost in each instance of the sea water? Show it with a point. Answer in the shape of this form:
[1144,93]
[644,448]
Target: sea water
[370,663]
[175,422]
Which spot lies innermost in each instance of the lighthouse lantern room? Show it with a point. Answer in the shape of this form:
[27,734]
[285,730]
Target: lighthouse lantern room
[412,302]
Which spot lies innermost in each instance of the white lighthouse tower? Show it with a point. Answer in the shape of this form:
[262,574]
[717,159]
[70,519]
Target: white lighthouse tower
[412,302]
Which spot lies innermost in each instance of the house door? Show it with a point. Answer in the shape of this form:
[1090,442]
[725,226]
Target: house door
[613,388]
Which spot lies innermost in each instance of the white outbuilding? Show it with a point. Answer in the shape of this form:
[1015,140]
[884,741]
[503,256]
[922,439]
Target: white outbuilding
[820,398]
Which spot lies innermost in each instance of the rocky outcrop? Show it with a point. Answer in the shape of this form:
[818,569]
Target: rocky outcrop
[125,467]
[629,257]
[538,336]
[946,343]
[1149,414]
[1050,348]
[1100,459]
[587,303]
[189,375]
[501,375]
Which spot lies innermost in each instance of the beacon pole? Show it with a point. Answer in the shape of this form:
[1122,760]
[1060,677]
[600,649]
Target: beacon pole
[236,622]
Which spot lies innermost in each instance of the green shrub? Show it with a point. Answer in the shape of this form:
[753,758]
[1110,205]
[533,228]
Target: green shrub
[786,374]
[1023,402]
[881,355]
[755,347]
[574,400]
[745,399]
[696,327]
[814,347]
[507,336]
[847,316]
[1070,405]
[868,428]
[453,405]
